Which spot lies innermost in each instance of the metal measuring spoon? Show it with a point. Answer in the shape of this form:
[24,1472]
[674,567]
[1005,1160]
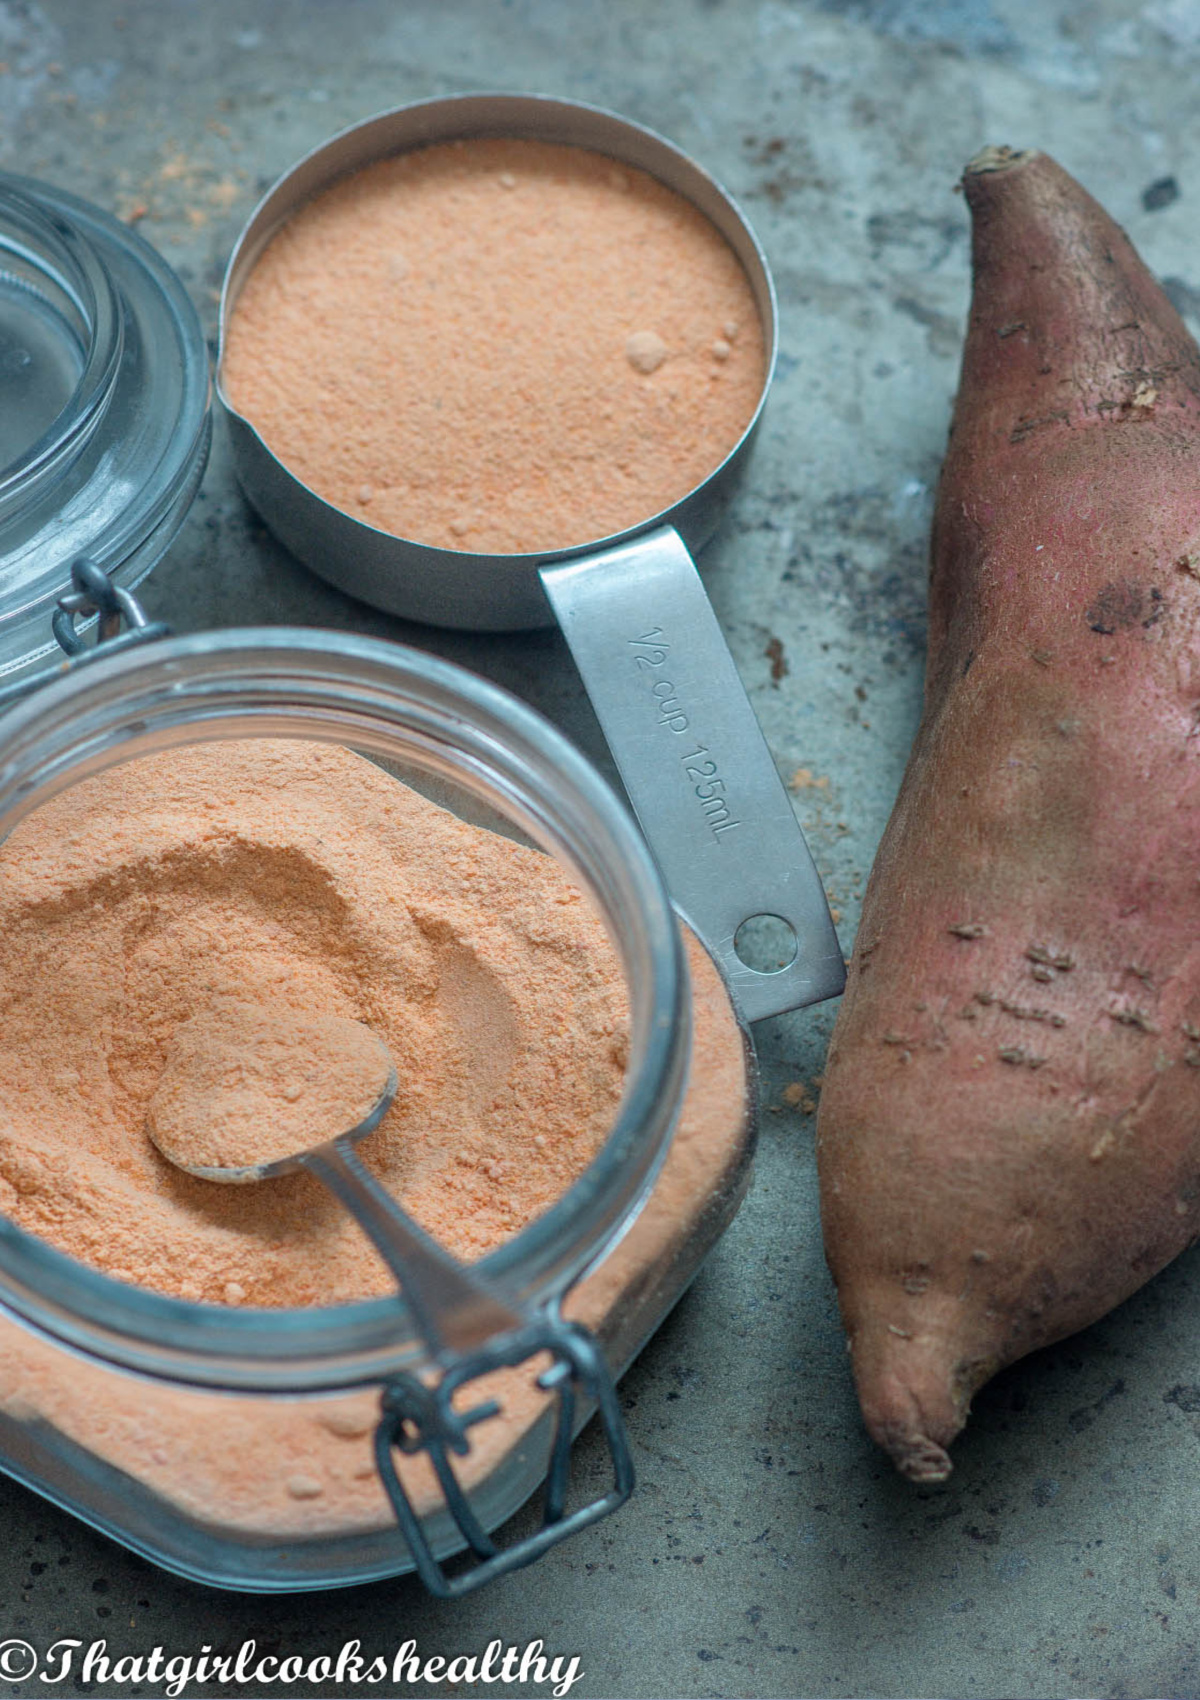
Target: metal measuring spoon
[214,1100]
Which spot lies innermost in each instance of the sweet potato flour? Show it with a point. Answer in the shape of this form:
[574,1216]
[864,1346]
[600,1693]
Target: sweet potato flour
[497,345]
[300,879]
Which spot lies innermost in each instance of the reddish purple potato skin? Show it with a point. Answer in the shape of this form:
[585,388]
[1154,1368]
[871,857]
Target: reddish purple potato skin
[1009,1131]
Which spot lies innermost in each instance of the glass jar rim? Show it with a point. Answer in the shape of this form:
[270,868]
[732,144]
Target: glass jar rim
[73,265]
[364,692]
[122,460]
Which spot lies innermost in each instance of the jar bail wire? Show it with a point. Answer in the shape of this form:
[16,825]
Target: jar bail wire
[94,595]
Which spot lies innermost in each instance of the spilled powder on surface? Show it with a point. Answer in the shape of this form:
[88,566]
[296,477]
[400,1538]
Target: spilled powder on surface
[303,880]
[244,1086]
[497,345]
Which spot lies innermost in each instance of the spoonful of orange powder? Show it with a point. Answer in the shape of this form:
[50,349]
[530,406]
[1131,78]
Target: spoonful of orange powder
[245,1093]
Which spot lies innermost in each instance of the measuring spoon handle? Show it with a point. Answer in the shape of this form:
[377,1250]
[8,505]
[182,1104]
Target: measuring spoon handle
[696,766]
[453,1310]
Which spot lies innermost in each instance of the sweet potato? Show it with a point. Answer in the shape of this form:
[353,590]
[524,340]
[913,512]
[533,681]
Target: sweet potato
[1009,1134]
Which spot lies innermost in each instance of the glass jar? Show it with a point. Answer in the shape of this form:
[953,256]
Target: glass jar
[237,1446]
[105,422]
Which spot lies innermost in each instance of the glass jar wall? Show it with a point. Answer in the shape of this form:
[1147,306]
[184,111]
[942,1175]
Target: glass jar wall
[104,405]
[234,1445]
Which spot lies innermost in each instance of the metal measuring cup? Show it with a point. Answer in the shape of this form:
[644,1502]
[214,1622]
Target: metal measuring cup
[632,608]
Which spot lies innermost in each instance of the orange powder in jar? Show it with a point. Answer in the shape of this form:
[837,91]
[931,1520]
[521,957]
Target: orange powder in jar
[298,879]
[497,345]
[304,1468]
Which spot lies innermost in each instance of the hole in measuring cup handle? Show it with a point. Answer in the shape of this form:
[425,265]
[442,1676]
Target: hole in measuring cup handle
[419,1418]
[766,943]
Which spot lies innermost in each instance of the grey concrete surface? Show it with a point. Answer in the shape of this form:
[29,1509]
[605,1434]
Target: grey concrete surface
[768,1551]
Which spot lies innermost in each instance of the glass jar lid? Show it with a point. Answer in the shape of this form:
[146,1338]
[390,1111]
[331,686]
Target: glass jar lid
[104,405]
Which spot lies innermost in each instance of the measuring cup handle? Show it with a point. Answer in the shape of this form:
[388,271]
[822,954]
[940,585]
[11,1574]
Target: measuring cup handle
[695,764]
[452,1309]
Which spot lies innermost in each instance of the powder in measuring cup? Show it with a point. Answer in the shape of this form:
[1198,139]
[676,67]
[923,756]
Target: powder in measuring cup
[497,345]
[300,879]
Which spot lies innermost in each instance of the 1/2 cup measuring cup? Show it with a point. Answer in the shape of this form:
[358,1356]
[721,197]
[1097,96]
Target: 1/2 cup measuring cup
[631,606]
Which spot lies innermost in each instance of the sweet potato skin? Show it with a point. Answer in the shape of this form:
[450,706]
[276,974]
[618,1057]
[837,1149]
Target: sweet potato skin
[1009,1132]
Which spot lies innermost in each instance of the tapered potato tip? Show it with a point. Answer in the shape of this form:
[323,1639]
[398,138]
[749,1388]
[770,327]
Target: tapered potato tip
[1065,316]
[916,1456]
[994,158]
[914,1390]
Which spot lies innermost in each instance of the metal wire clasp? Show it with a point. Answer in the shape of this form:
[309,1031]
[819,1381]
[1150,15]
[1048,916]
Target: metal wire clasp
[418,1418]
[94,593]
